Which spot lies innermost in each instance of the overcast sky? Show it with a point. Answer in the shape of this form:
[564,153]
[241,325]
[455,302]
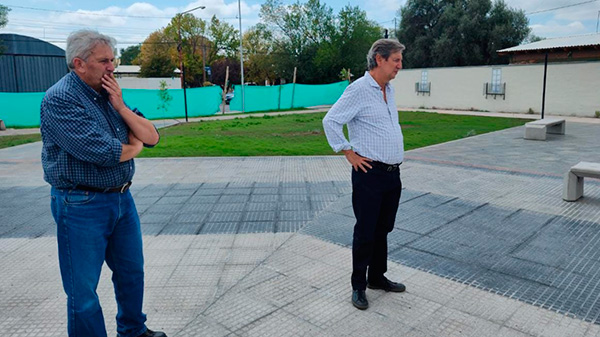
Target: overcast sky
[52,20]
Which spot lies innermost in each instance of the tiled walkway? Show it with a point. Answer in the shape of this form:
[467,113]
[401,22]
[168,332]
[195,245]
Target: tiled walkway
[259,246]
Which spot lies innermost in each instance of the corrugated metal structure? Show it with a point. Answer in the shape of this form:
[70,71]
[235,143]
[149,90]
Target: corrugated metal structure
[562,49]
[28,64]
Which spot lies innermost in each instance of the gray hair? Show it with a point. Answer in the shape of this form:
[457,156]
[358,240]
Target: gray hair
[385,48]
[81,43]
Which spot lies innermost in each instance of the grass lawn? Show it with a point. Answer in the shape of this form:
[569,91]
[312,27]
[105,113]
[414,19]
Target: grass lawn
[299,134]
[302,134]
[8,141]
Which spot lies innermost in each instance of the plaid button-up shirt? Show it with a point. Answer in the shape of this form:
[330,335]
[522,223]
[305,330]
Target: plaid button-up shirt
[82,137]
[373,126]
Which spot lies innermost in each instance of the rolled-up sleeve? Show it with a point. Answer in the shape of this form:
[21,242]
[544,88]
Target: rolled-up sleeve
[65,122]
[340,113]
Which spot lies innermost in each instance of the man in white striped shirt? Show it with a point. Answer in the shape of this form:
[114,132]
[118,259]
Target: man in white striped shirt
[375,151]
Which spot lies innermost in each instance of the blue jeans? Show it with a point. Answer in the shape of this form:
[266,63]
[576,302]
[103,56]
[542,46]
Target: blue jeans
[93,228]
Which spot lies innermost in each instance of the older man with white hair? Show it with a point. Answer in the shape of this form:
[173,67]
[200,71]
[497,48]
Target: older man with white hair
[90,137]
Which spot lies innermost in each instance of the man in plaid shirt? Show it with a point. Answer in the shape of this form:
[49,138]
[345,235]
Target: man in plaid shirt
[90,138]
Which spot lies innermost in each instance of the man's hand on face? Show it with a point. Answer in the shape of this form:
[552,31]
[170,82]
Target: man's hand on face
[109,83]
[357,161]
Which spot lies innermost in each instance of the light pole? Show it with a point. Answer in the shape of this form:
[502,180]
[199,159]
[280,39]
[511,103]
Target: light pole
[180,50]
[241,54]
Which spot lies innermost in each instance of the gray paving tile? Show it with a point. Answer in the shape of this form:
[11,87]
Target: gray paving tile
[219,228]
[257,227]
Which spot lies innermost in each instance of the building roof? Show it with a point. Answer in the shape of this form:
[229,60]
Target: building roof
[127,69]
[15,44]
[132,69]
[588,40]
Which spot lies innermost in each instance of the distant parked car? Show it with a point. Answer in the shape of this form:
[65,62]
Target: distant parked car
[228,97]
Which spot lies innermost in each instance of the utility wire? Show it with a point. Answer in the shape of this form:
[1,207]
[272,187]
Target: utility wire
[89,13]
[561,7]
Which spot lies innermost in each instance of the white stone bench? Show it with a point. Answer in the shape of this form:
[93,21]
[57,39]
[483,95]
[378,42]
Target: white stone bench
[573,183]
[537,130]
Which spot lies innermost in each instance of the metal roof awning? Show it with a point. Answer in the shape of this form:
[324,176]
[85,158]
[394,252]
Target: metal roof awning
[591,41]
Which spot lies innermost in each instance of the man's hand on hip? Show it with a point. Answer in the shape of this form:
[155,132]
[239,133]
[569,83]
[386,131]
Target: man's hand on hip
[357,161]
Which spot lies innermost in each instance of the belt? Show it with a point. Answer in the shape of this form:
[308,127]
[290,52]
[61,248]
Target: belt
[384,166]
[120,189]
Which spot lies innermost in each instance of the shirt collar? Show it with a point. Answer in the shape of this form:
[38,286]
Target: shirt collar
[374,83]
[86,88]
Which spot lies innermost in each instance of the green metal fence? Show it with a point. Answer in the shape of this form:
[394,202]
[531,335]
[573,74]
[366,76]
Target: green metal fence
[23,109]
[287,96]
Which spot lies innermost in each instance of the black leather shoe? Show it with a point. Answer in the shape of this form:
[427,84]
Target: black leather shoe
[359,299]
[388,285]
[150,333]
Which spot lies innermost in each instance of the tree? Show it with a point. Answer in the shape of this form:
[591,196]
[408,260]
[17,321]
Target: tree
[260,58]
[353,37]
[317,42]
[3,21]
[219,68]
[3,15]
[459,32]
[130,54]
[155,55]
[189,32]
[224,39]
[531,38]
[298,30]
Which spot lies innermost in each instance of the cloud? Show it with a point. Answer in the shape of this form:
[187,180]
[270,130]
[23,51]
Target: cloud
[556,29]
[120,22]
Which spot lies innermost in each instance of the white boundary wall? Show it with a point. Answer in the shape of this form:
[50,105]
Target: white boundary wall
[148,82]
[572,89]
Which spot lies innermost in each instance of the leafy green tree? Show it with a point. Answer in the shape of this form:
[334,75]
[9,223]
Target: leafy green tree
[156,55]
[459,32]
[3,21]
[130,54]
[353,37]
[189,33]
[260,60]
[319,43]
[3,15]
[298,31]
[225,41]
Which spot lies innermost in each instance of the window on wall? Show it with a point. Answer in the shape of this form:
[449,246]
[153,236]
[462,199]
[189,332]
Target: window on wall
[423,86]
[496,87]
[424,75]
[496,81]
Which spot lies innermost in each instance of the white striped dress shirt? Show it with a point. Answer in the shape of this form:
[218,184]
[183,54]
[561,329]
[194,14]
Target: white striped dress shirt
[373,126]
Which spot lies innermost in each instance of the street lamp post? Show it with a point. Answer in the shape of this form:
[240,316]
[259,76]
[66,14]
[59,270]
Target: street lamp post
[180,50]
[241,55]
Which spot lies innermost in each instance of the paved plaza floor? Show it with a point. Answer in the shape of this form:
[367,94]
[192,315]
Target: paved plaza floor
[260,246]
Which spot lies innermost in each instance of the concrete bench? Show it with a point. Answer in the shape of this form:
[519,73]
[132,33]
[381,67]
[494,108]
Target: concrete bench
[537,130]
[573,183]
